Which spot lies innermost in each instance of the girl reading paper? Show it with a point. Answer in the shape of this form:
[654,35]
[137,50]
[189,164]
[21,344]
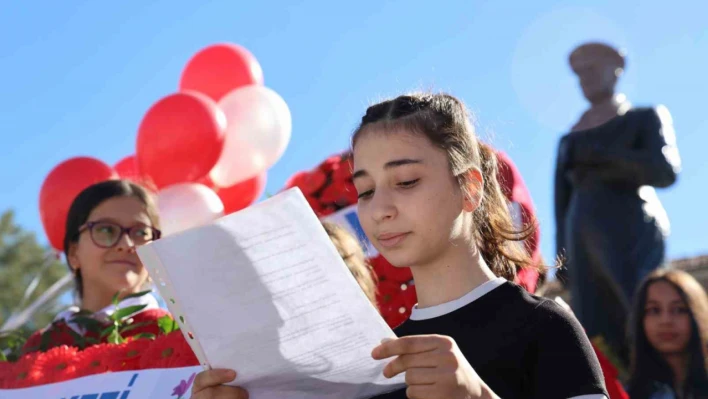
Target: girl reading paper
[429,198]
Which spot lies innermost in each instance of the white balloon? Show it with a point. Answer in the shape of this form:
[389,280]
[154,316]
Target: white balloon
[187,205]
[258,131]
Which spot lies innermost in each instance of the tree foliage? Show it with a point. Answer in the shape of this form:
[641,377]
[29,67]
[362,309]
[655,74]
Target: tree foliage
[22,258]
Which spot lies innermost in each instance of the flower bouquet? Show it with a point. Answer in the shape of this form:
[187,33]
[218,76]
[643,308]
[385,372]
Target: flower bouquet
[122,344]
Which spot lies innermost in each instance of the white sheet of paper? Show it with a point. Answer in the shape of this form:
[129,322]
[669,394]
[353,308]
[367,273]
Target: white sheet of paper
[265,293]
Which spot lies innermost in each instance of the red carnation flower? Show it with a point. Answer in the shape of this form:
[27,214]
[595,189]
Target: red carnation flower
[343,173]
[312,182]
[340,193]
[167,351]
[314,204]
[5,374]
[386,292]
[59,334]
[331,163]
[410,296]
[396,300]
[295,180]
[57,364]
[398,310]
[349,194]
[327,209]
[127,355]
[95,359]
[22,374]
[386,271]
[148,321]
[331,193]
[395,319]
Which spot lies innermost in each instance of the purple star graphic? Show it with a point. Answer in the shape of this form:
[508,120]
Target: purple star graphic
[183,386]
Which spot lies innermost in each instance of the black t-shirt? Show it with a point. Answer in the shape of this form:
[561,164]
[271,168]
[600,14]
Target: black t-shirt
[521,345]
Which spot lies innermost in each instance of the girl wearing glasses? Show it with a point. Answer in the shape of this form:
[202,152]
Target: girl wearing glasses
[105,223]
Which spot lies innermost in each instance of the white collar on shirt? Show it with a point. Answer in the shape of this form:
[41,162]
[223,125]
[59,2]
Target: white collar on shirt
[449,307]
[103,314]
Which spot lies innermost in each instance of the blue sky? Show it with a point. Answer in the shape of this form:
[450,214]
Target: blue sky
[77,78]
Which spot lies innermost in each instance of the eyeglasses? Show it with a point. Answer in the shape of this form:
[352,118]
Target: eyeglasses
[108,234]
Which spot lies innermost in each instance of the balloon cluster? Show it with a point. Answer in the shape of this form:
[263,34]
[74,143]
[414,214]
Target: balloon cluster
[330,192]
[205,150]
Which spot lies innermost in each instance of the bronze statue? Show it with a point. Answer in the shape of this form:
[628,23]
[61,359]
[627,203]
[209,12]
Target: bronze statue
[610,225]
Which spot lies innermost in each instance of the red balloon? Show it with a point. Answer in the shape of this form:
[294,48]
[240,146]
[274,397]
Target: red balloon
[60,188]
[127,168]
[243,194]
[216,70]
[180,139]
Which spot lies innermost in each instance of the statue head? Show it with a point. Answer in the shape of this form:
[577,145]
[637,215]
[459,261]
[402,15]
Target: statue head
[598,66]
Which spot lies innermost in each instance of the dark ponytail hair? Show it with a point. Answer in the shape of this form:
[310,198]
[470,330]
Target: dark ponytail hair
[88,200]
[444,120]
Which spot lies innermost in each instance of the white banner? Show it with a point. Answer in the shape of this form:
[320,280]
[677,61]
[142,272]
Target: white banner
[175,383]
[349,219]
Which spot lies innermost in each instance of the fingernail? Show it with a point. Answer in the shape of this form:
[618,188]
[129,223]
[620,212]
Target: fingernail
[383,341]
[230,374]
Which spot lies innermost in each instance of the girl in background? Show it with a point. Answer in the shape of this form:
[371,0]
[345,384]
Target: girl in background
[105,223]
[669,338]
[353,255]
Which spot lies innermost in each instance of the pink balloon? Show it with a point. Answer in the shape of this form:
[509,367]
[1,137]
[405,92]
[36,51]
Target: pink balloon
[187,205]
[258,131]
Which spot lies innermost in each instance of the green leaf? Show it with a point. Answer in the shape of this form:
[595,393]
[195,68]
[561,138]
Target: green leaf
[11,333]
[108,330]
[88,323]
[3,358]
[11,340]
[83,312]
[138,294]
[167,324]
[145,335]
[127,311]
[114,300]
[45,340]
[115,338]
[79,339]
[134,326]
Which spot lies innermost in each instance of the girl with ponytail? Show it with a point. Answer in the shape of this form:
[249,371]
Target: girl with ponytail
[429,198]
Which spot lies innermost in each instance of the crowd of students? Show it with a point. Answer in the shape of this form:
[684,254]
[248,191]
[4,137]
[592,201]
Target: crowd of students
[430,199]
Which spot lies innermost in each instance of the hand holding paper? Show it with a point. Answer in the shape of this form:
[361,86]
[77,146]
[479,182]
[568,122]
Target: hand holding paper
[264,292]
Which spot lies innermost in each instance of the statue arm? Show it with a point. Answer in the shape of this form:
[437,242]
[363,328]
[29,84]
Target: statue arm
[655,163]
